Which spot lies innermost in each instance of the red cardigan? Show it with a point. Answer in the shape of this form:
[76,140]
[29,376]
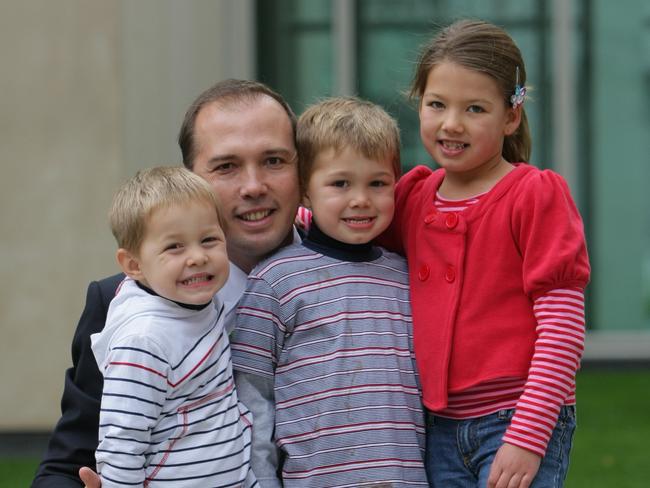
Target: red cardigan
[474,275]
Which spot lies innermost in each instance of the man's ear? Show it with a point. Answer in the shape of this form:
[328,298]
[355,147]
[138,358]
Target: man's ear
[513,120]
[129,263]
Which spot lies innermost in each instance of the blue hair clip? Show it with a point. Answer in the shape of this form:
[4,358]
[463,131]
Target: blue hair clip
[520,93]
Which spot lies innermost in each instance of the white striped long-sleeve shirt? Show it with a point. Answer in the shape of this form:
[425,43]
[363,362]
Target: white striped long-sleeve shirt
[169,414]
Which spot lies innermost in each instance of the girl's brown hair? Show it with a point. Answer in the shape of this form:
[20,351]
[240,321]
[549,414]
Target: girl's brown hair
[486,48]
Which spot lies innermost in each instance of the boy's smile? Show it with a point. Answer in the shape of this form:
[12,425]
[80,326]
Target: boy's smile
[351,196]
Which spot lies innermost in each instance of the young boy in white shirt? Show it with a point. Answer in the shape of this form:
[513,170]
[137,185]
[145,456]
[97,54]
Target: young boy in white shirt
[169,415]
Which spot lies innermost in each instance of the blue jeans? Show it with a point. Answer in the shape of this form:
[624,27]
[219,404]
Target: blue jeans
[460,452]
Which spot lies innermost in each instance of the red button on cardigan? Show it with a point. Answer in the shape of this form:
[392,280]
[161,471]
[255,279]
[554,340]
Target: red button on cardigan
[450,274]
[451,220]
[423,273]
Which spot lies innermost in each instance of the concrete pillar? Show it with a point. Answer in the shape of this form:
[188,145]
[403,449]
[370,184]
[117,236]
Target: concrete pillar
[90,91]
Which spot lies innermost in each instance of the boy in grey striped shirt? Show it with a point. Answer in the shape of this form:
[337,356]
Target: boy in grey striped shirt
[323,343]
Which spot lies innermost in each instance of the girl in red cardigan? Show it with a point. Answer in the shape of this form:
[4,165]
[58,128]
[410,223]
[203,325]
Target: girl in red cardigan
[498,266]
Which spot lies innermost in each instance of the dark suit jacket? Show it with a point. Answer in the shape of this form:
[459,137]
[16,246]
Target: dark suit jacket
[74,439]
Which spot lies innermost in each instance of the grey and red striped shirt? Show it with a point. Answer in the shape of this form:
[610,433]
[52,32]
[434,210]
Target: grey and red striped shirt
[331,327]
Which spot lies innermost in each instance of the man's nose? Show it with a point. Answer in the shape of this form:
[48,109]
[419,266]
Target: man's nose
[252,183]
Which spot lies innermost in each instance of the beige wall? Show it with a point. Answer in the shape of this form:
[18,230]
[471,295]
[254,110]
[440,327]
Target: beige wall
[90,91]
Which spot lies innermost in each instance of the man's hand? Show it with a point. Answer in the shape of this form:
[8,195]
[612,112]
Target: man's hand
[513,467]
[90,478]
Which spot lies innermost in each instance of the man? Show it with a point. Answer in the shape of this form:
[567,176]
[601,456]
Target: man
[239,136]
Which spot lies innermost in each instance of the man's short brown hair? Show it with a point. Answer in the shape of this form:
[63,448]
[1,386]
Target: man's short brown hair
[226,92]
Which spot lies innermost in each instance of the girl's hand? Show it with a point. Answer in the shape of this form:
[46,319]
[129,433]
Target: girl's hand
[513,467]
[89,478]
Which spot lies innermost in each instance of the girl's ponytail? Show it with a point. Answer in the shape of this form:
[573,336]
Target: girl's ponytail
[517,147]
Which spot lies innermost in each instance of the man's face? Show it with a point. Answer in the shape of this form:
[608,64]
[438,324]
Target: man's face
[246,151]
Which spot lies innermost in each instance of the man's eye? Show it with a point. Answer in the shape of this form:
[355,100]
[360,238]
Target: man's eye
[274,161]
[223,167]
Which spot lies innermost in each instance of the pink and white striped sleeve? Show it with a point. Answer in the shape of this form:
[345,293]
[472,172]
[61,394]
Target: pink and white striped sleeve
[551,377]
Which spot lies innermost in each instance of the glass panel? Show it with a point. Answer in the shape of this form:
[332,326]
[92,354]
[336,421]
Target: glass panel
[389,38]
[620,124]
[310,10]
[402,12]
[314,54]
[644,96]
[611,51]
[387,58]
[294,47]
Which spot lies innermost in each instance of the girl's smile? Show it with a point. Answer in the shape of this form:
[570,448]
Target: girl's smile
[452,148]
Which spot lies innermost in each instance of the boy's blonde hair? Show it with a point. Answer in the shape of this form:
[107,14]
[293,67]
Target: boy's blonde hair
[346,122]
[152,189]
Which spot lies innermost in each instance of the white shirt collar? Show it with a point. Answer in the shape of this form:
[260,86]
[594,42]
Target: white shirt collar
[234,288]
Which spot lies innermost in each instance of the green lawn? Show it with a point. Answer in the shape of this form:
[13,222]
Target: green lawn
[611,443]
[17,473]
[610,448]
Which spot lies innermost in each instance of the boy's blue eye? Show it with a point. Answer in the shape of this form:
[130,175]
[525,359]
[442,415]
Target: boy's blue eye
[475,109]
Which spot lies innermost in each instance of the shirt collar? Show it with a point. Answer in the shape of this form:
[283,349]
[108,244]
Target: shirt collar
[318,241]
